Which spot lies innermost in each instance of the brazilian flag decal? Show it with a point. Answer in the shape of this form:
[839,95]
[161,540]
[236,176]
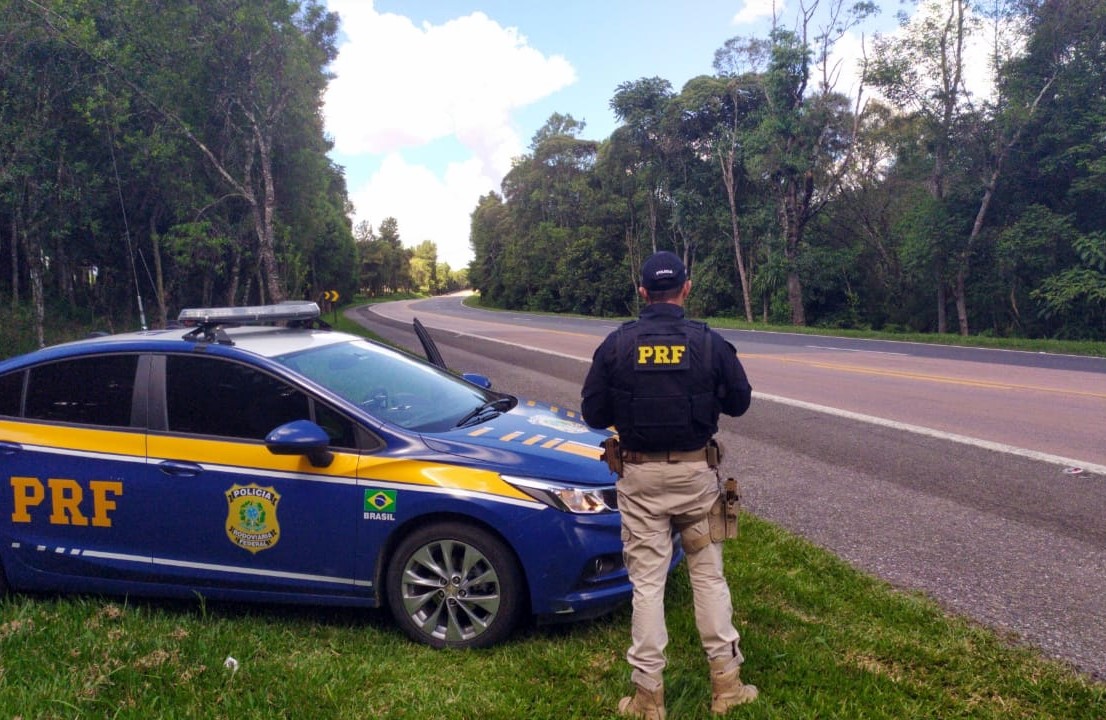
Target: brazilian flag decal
[380,501]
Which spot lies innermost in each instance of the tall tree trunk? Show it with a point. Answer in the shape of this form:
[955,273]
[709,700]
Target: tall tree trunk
[633,254]
[985,204]
[159,277]
[33,255]
[652,207]
[795,298]
[15,262]
[942,298]
[961,297]
[726,160]
[235,275]
[265,234]
[793,230]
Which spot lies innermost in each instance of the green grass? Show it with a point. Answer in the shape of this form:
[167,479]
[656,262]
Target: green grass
[821,641]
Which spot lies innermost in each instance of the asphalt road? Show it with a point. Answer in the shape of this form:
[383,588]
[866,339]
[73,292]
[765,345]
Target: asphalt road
[1012,537]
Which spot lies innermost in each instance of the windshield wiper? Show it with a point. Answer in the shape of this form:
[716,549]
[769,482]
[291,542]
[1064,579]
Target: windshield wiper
[486,411]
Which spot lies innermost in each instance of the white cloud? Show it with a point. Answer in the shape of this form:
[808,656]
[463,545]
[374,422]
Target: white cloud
[754,10]
[400,86]
[979,45]
[426,206]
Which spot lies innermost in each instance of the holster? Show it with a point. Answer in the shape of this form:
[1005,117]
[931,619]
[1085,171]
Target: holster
[720,522]
[612,455]
[714,453]
[724,513]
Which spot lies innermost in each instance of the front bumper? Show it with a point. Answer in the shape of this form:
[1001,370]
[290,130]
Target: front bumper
[574,566]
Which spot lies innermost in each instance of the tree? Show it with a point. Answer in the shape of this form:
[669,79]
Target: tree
[548,199]
[259,59]
[718,116]
[923,71]
[1053,208]
[41,166]
[394,259]
[489,231]
[806,135]
[424,267]
[641,106]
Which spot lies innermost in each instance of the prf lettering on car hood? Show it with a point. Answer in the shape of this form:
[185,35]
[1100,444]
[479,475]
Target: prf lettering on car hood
[66,500]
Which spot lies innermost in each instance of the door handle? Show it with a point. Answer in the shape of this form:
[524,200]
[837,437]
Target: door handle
[178,468]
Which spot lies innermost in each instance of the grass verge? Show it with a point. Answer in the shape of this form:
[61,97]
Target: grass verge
[821,641]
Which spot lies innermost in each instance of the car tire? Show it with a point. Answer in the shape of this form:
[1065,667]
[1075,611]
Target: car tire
[455,585]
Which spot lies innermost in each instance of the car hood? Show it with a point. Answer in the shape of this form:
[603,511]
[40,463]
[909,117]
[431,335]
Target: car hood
[533,439]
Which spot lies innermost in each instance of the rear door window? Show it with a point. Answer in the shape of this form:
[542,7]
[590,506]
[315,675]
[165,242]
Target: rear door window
[11,393]
[95,390]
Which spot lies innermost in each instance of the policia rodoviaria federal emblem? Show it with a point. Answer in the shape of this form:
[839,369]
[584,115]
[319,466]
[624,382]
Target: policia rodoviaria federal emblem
[252,517]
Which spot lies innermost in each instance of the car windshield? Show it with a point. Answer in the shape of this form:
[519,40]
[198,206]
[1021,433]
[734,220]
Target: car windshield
[393,387]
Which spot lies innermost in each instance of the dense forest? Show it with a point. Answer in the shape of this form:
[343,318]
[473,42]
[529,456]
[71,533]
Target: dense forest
[911,204]
[156,155]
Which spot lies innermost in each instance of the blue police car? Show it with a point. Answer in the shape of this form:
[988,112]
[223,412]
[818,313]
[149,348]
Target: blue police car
[256,454]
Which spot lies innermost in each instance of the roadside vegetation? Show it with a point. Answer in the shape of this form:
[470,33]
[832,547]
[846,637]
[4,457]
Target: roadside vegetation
[821,641]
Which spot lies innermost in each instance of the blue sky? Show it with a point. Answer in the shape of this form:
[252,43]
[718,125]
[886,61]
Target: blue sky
[433,98]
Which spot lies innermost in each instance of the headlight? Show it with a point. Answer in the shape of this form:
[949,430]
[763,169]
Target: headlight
[579,500]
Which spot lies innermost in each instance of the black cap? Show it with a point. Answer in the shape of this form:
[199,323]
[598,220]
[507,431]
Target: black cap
[662,271]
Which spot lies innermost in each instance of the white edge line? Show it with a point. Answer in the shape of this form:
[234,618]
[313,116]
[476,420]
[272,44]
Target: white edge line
[856,350]
[941,435]
[515,345]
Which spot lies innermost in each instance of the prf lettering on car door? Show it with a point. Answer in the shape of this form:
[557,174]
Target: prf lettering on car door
[70,503]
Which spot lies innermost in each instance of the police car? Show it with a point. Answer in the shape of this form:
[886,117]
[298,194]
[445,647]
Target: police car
[256,454]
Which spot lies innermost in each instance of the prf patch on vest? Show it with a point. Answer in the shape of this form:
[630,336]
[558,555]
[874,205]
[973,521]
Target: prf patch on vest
[661,352]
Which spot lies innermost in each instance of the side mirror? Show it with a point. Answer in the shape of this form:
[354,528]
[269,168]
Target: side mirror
[478,380]
[301,437]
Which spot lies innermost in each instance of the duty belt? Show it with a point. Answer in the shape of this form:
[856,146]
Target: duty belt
[670,456]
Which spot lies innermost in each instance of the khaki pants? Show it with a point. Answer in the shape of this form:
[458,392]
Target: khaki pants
[652,497]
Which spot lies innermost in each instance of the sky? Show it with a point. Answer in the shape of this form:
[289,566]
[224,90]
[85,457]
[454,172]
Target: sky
[432,99]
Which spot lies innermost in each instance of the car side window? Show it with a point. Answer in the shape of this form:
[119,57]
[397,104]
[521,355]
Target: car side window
[11,393]
[90,390]
[337,426]
[211,396]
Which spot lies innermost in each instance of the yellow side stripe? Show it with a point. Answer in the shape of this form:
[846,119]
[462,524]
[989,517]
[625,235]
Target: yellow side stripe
[107,442]
[254,458]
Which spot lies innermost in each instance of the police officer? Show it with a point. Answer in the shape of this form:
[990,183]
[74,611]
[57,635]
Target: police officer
[662,381]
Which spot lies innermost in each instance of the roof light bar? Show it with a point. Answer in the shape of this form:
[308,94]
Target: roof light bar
[293,310]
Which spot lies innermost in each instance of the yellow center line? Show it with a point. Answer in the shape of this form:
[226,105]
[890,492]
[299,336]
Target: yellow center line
[525,329]
[987,384]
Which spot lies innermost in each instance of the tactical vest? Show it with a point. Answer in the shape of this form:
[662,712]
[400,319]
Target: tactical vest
[664,395]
